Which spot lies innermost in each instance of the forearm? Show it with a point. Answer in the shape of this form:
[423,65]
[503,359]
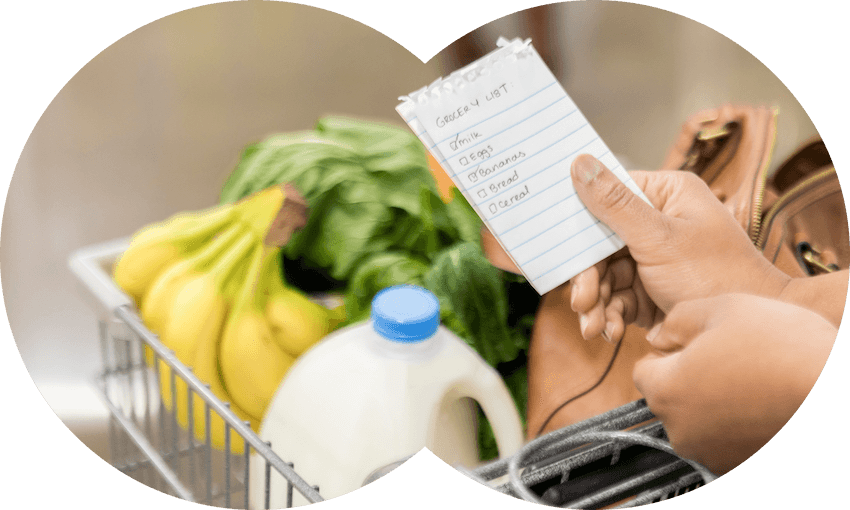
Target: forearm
[825,294]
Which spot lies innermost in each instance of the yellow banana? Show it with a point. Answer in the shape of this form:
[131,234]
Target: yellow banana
[206,368]
[156,303]
[197,314]
[252,365]
[185,274]
[297,323]
[158,245]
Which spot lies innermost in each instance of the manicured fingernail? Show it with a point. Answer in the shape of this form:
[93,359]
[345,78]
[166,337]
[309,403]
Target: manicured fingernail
[582,323]
[650,336]
[608,332]
[573,293]
[587,167]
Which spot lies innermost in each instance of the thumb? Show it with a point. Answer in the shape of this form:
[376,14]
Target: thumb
[612,202]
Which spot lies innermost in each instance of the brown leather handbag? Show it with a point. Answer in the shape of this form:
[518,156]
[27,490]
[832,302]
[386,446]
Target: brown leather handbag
[796,216]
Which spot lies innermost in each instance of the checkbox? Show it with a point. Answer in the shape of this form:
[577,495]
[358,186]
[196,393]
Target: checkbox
[473,177]
[482,193]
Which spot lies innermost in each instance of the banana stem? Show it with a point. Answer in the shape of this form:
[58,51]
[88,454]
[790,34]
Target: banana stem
[265,206]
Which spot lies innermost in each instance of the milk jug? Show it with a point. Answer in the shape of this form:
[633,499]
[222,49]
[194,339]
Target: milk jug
[377,392]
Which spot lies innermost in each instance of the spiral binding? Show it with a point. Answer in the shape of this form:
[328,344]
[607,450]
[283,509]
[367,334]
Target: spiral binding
[507,51]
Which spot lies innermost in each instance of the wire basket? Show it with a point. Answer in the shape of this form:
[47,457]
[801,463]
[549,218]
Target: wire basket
[618,458]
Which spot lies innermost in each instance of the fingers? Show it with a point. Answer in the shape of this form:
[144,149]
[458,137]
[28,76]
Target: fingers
[585,287]
[620,274]
[618,314]
[668,337]
[645,317]
[608,305]
[593,322]
[684,323]
[607,198]
[652,374]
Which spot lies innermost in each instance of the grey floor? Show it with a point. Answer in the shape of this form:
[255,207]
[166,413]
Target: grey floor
[154,124]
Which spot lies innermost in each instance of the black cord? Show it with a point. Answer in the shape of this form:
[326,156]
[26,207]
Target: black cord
[585,392]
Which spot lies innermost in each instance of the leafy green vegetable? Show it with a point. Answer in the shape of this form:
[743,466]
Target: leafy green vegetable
[464,218]
[473,301]
[376,273]
[368,186]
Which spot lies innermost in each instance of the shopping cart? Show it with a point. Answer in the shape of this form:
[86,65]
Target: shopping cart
[620,458]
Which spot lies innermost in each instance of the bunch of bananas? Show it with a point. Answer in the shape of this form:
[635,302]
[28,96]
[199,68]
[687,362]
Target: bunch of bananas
[210,285]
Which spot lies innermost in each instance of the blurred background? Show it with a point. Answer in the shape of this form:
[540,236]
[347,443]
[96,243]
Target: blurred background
[155,123]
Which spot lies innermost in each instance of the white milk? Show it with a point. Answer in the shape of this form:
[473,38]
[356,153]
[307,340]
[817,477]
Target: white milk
[376,392]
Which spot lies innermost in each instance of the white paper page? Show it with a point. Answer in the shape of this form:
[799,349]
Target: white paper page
[506,132]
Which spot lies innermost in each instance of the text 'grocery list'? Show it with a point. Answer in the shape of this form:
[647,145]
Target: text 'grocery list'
[506,132]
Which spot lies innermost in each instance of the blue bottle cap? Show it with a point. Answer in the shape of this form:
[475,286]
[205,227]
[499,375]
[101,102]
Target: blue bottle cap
[405,313]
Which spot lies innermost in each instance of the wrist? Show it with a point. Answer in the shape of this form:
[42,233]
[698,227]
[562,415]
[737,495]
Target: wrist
[824,294]
[775,284]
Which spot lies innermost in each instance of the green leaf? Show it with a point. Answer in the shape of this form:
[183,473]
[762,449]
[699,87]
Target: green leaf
[464,218]
[377,273]
[367,184]
[472,294]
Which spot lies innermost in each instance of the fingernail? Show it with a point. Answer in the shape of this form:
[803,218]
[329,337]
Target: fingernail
[650,336]
[587,167]
[582,323]
[608,332]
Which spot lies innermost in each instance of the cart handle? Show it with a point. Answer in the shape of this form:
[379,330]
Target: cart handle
[92,266]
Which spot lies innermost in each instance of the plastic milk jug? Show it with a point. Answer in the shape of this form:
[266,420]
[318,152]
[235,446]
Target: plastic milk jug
[377,392]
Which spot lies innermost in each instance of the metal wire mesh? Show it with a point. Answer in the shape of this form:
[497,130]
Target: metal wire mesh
[148,444]
[619,459]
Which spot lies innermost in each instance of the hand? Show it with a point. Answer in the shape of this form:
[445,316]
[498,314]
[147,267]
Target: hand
[687,247]
[728,372]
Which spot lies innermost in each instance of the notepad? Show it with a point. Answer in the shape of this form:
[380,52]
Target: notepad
[506,132]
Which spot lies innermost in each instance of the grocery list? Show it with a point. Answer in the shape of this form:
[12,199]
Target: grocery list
[506,132]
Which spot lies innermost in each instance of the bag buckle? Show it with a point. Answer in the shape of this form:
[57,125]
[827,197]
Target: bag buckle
[706,143]
[811,256]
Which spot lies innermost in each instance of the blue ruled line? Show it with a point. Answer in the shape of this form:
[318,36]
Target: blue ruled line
[515,125]
[538,214]
[574,256]
[596,222]
[553,184]
[535,236]
[501,112]
[517,143]
[543,170]
[556,142]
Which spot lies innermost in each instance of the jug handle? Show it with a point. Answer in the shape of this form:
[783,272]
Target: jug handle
[488,389]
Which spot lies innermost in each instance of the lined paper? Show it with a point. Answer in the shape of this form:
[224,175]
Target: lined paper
[506,132]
